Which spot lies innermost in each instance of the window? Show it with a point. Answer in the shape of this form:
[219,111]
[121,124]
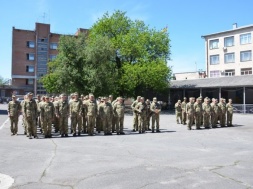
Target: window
[229,72]
[229,41]
[245,38]
[246,71]
[214,44]
[30,56]
[245,56]
[215,73]
[53,45]
[214,59]
[229,58]
[29,81]
[30,44]
[52,57]
[43,40]
[30,68]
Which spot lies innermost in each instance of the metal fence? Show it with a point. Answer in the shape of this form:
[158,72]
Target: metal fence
[241,108]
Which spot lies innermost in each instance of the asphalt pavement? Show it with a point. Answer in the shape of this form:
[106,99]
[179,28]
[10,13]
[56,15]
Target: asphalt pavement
[175,158]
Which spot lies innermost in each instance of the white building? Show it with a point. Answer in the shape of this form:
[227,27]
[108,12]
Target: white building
[229,53]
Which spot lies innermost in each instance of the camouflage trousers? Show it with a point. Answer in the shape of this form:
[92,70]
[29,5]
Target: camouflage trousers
[76,122]
[135,121]
[148,122]
[47,126]
[142,122]
[222,119]
[179,117]
[229,118]
[99,123]
[206,120]
[14,124]
[190,119]
[198,120]
[91,124]
[84,122]
[214,119]
[119,124]
[31,125]
[184,117]
[63,124]
[155,119]
[107,124]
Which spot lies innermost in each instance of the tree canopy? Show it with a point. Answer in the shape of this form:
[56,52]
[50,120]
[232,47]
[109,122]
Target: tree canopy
[118,56]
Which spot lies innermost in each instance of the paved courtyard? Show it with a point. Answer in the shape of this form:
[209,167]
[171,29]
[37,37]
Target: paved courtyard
[175,158]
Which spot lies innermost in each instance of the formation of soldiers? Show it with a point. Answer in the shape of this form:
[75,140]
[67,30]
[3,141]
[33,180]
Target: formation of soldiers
[85,113]
[204,113]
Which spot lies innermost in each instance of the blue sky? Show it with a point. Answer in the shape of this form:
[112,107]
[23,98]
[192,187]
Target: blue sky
[187,21]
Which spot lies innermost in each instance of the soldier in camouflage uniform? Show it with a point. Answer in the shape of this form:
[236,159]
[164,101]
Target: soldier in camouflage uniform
[75,109]
[62,112]
[178,111]
[207,112]
[149,114]
[223,112]
[43,100]
[100,102]
[85,114]
[155,108]
[135,114]
[14,109]
[229,107]
[215,114]
[23,119]
[38,121]
[183,105]
[114,119]
[198,113]
[190,112]
[47,115]
[56,119]
[106,112]
[141,109]
[30,112]
[91,109]
[118,111]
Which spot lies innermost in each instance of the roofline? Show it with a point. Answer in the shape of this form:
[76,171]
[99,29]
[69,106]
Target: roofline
[227,31]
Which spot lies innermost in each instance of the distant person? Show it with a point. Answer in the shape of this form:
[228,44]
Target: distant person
[178,111]
[229,107]
[14,109]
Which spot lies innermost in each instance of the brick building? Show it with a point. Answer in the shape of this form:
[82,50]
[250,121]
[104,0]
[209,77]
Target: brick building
[31,51]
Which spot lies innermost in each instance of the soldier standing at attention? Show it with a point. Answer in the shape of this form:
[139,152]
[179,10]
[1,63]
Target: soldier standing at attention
[198,113]
[84,122]
[47,115]
[75,108]
[223,111]
[106,112]
[30,112]
[190,112]
[155,108]
[216,112]
[98,118]
[14,109]
[178,109]
[118,111]
[23,119]
[149,114]
[43,100]
[135,114]
[141,109]
[38,122]
[229,107]
[91,109]
[207,112]
[62,112]
[114,118]
[183,105]
[56,119]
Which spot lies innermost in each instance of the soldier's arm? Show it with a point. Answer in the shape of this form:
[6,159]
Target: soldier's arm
[133,105]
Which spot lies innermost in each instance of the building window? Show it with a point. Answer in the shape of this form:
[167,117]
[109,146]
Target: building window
[229,41]
[30,56]
[214,59]
[30,44]
[229,72]
[245,56]
[52,57]
[229,57]
[29,81]
[215,73]
[43,40]
[246,71]
[30,68]
[245,38]
[214,44]
[53,45]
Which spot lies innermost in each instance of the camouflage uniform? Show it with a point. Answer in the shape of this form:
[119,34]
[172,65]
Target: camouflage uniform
[198,113]
[106,112]
[75,109]
[178,109]
[47,115]
[56,119]
[207,112]
[114,119]
[118,111]
[99,118]
[155,108]
[14,109]
[216,112]
[141,109]
[222,116]
[85,115]
[184,116]
[135,114]
[91,109]
[229,108]
[149,114]
[190,111]
[23,117]
[41,120]
[38,121]
[30,112]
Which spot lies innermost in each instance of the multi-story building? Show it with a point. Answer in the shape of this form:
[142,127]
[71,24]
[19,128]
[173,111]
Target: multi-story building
[31,51]
[229,53]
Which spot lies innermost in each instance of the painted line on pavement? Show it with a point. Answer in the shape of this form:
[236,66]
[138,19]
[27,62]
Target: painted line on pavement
[5,181]
[4,123]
